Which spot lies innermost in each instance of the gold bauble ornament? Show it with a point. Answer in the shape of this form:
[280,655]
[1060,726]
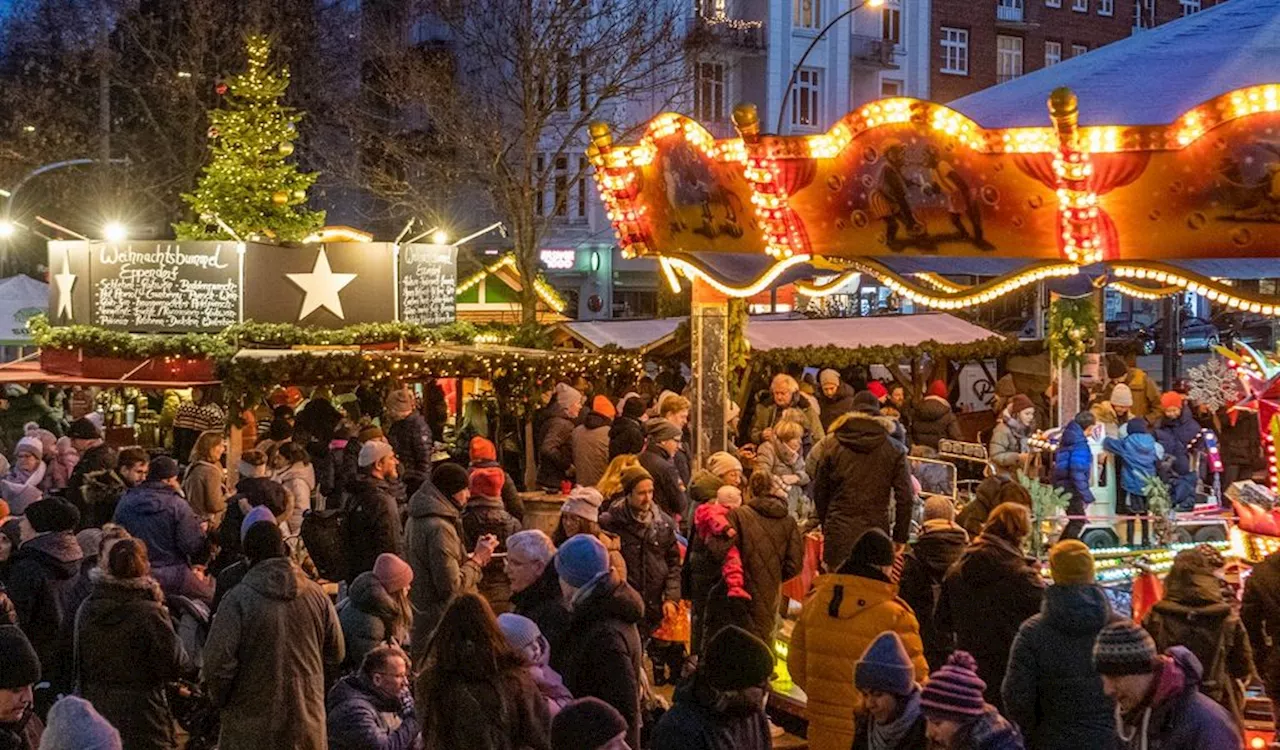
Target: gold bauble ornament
[299,195]
[279,197]
[286,148]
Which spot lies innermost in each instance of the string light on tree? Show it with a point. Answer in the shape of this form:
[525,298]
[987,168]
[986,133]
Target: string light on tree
[249,183]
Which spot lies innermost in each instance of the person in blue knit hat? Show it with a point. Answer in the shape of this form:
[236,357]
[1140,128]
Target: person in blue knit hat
[891,697]
[604,611]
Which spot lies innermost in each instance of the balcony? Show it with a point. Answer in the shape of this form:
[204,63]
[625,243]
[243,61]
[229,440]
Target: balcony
[1009,11]
[873,52]
[726,32]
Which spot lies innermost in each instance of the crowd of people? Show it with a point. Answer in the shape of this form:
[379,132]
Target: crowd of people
[352,592]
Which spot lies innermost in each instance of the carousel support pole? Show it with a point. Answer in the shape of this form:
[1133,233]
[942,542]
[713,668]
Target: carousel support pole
[1171,364]
[709,345]
[1068,380]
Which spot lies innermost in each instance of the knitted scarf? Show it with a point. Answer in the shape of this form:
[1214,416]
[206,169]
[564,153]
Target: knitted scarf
[887,736]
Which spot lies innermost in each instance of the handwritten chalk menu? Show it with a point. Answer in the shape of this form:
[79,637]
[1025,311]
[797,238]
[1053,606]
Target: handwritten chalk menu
[154,287]
[428,279]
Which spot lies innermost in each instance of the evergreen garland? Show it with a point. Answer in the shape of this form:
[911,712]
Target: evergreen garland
[1073,322]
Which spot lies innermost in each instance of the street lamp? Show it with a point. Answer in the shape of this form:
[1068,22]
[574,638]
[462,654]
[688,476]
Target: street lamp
[114,231]
[440,237]
[786,95]
[7,229]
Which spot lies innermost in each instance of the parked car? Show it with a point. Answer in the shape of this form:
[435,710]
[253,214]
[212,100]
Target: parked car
[1126,332]
[1198,334]
[1255,330]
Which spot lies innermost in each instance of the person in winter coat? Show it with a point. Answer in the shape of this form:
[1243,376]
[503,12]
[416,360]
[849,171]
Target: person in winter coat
[772,552]
[267,650]
[1260,613]
[41,582]
[999,486]
[484,515]
[785,394]
[933,419]
[20,727]
[940,544]
[989,592]
[524,637]
[296,474]
[156,513]
[885,677]
[956,717]
[21,485]
[580,514]
[1192,614]
[1239,444]
[251,491]
[721,706]
[409,436]
[863,482]
[474,689]
[1051,690]
[834,398]
[713,562]
[373,515]
[675,409]
[1073,471]
[74,724]
[101,491]
[373,709]
[591,442]
[1144,394]
[649,547]
[555,450]
[659,460]
[433,547]
[95,454]
[1158,700]
[605,659]
[1138,454]
[203,484]
[127,685]
[483,454]
[722,468]
[535,585]
[781,456]
[588,724]
[1176,430]
[626,434]
[377,609]
[347,467]
[1009,439]
[842,616]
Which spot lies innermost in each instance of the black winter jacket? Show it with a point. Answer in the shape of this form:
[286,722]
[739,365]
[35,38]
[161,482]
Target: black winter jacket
[863,482]
[510,491]
[1240,443]
[42,581]
[481,516]
[373,524]
[772,552]
[986,596]
[933,421]
[703,718]
[127,685]
[626,435]
[652,556]
[668,493]
[410,438]
[923,569]
[1051,690]
[830,408]
[543,603]
[555,449]
[606,657]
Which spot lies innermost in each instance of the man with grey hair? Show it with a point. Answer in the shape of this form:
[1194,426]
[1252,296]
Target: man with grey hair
[786,396]
[535,586]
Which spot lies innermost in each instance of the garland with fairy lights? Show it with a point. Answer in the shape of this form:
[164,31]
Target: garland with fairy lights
[841,357]
[1072,323]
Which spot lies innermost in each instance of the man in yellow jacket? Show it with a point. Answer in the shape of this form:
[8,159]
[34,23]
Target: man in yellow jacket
[843,615]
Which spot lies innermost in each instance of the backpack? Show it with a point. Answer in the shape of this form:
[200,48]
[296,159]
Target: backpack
[324,533]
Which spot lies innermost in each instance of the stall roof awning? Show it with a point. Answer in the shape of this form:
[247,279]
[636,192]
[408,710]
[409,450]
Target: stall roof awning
[26,373]
[1151,78]
[626,334]
[853,333]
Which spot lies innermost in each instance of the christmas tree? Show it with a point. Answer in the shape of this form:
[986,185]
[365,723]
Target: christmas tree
[250,184]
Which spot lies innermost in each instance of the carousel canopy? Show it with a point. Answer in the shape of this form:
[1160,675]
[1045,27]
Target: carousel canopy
[1153,77]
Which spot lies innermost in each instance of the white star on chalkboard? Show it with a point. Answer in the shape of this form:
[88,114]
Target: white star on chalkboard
[321,287]
[65,281]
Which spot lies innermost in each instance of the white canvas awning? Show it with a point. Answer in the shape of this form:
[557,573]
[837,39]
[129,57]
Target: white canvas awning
[853,333]
[21,297]
[625,334]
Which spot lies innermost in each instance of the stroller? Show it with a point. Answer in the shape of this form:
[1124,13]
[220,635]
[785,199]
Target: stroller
[190,706]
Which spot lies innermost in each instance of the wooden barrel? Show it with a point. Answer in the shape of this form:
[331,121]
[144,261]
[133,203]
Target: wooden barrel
[541,510]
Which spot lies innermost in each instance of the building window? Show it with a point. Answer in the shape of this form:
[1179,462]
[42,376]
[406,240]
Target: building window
[1190,6]
[1053,3]
[955,51]
[540,198]
[584,81]
[1144,14]
[890,87]
[808,14]
[711,8]
[1080,6]
[582,187]
[805,98]
[891,23]
[562,82]
[1008,57]
[1106,7]
[1009,10]
[1052,53]
[561,184]
[708,92]
[1079,49]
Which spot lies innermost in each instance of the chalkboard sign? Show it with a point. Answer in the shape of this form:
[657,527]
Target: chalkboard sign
[428,279]
[155,287]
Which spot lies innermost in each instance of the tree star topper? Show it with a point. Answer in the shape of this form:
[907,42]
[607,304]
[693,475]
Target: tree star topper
[321,287]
